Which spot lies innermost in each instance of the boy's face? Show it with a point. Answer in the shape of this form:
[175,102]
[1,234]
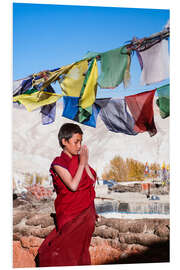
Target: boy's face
[73,145]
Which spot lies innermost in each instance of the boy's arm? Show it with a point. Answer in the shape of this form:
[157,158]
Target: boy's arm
[73,182]
[89,172]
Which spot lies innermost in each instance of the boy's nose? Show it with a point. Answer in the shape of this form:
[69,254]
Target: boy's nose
[79,146]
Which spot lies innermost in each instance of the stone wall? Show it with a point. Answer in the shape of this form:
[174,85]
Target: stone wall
[114,240]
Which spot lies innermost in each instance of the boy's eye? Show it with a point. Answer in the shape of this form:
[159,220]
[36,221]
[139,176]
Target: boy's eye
[76,142]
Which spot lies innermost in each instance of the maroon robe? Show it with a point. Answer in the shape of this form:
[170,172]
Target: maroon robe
[68,243]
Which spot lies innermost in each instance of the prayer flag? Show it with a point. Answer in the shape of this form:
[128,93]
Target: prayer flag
[48,113]
[141,107]
[88,92]
[74,78]
[155,63]
[71,111]
[115,65]
[37,99]
[51,76]
[22,85]
[163,100]
[115,116]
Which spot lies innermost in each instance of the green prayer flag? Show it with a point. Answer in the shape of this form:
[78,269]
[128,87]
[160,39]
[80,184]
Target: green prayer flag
[115,67]
[163,100]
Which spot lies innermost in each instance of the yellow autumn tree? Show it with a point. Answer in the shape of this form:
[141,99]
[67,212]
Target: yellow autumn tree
[117,170]
[135,169]
[120,170]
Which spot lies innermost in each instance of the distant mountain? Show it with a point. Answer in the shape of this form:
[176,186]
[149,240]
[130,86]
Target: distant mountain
[35,145]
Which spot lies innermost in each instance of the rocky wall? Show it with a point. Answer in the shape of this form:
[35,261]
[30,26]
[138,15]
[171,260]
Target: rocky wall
[114,240]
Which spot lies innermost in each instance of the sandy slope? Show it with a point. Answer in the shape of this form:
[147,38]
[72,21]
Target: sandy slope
[35,145]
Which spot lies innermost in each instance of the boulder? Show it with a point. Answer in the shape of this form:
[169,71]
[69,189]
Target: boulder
[22,230]
[162,231]
[18,216]
[137,226]
[44,220]
[19,202]
[31,241]
[104,255]
[146,239]
[41,232]
[106,232]
[22,257]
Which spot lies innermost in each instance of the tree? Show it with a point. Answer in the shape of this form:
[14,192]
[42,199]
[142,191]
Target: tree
[117,170]
[120,170]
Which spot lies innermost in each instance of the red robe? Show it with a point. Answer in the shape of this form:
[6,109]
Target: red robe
[68,243]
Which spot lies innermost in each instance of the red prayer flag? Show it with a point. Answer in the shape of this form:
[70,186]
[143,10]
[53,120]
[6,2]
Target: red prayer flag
[141,107]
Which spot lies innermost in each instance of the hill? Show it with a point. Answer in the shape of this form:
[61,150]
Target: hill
[35,145]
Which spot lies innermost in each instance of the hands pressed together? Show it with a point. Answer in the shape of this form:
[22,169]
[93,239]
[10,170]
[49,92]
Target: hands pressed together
[84,155]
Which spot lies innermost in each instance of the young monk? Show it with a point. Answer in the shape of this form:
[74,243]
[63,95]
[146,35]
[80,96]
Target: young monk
[73,180]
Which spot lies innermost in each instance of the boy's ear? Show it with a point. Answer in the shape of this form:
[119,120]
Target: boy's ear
[64,141]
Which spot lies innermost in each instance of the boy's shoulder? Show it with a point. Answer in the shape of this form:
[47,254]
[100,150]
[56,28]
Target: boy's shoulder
[61,161]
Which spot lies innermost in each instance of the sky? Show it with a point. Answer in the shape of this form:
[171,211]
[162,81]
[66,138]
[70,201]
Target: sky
[48,36]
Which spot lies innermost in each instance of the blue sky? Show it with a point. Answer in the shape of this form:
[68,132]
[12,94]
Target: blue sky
[49,36]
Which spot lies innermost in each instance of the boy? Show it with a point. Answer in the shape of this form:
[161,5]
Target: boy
[73,180]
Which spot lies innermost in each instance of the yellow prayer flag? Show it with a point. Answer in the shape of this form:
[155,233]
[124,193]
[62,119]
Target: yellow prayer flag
[37,99]
[89,95]
[163,165]
[74,78]
[52,76]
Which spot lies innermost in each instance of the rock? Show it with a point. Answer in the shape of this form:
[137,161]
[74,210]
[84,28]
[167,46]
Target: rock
[102,221]
[35,241]
[31,241]
[138,248]
[115,243]
[106,232]
[115,223]
[18,202]
[16,236]
[22,257]
[41,232]
[162,231]
[104,255]
[118,224]
[129,238]
[25,242]
[114,240]
[137,226]
[43,220]
[22,230]
[98,241]
[151,224]
[146,239]
[18,216]
[39,192]
[33,250]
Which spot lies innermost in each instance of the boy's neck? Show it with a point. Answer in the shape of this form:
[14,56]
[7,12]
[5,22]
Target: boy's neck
[66,152]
